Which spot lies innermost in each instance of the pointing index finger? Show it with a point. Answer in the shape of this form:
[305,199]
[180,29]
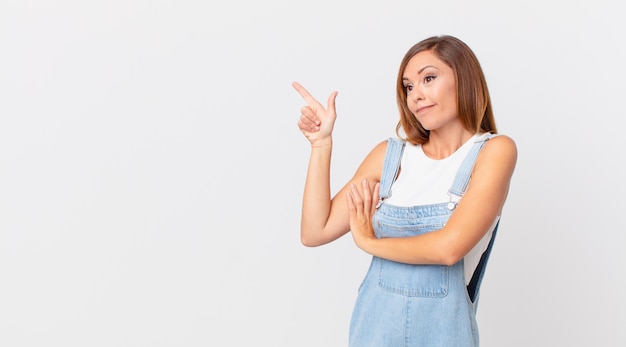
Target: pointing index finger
[304,93]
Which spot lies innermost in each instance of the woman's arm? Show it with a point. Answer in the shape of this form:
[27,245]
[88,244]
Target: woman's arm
[325,219]
[475,213]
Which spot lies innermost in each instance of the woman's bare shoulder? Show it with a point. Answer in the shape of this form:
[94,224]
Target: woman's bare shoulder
[499,153]
[502,145]
[371,166]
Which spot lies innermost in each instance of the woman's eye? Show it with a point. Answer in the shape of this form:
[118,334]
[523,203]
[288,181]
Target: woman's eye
[429,79]
[408,88]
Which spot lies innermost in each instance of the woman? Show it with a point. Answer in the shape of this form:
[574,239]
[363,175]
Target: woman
[429,247]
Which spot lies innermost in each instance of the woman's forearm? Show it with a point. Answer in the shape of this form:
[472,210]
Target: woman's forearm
[316,200]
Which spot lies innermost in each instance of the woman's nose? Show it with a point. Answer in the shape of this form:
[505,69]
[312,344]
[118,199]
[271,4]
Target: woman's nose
[416,95]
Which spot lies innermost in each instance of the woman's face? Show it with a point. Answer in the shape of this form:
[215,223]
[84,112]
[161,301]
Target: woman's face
[430,88]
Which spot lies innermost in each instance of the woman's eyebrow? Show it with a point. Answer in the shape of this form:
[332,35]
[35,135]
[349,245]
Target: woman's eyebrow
[424,68]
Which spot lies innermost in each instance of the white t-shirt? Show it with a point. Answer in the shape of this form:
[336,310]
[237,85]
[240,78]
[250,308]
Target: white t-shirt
[425,181]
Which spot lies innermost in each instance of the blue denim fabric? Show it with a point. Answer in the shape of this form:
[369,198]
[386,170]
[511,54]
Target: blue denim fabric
[415,305]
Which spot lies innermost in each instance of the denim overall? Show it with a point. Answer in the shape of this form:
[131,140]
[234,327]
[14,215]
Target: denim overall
[417,305]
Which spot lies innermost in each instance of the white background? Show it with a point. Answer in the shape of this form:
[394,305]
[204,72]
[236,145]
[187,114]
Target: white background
[151,169]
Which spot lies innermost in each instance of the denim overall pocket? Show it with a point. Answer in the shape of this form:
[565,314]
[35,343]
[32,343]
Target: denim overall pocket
[429,281]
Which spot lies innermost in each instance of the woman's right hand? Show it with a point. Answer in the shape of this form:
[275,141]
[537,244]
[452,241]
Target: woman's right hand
[316,122]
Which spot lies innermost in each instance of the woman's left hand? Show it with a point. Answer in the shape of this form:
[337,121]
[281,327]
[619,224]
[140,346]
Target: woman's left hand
[362,203]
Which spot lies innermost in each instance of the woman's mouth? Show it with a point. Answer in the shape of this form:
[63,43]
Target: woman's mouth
[423,108]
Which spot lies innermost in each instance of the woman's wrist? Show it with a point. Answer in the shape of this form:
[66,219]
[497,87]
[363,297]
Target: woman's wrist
[325,142]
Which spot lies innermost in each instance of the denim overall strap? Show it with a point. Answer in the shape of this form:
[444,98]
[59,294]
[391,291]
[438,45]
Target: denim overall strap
[463,174]
[391,165]
[456,192]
